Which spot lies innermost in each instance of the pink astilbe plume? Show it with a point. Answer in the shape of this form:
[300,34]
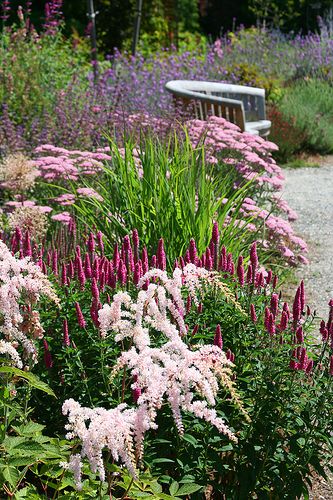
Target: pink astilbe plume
[187,379]
[21,281]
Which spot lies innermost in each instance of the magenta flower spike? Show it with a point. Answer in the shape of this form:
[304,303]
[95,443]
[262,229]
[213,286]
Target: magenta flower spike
[66,340]
[271,324]
[70,269]
[80,318]
[230,356]
[137,274]
[27,252]
[91,243]
[254,256]
[297,306]
[274,304]
[161,257]
[153,262]
[188,304]
[55,263]
[240,271]
[64,275]
[47,355]
[44,268]
[269,277]
[267,317]
[95,269]
[145,260]
[284,321]
[80,273]
[302,296]
[94,289]
[195,330]
[193,252]
[100,241]
[249,274]
[253,313]
[78,250]
[122,273]
[309,367]
[275,282]
[136,245]
[299,335]
[187,257]
[224,258]
[128,254]
[116,257]
[87,266]
[200,308]
[136,390]
[218,341]
[215,233]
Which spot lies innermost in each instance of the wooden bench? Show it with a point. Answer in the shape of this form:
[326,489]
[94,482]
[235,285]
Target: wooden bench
[243,106]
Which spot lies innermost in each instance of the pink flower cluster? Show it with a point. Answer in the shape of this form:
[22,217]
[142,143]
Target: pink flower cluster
[21,282]
[188,379]
[54,163]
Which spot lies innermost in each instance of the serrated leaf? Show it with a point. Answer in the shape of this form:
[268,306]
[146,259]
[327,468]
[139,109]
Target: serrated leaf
[187,489]
[12,441]
[10,474]
[33,380]
[29,429]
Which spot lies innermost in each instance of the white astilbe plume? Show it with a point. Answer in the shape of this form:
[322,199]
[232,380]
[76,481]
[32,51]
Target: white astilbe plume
[169,373]
[21,282]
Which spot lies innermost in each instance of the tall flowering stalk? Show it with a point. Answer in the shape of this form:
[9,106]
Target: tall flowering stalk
[187,379]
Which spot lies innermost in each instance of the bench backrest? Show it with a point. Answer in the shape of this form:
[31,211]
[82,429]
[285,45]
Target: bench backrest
[235,103]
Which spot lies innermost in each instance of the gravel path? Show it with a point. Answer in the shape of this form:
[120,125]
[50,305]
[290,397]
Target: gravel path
[309,191]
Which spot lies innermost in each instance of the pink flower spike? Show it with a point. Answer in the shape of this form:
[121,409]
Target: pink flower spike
[309,367]
[254,256]
[137,274]
[284,321]
[249,274]
[87,266]
[64,275]
[253,313]
[302,296]
[47,355]
[188,304]
[94,289]
[274,304]
[27,252]
[271,324]
[300,335]
[80,318]
[240,271]
[136,243]
[66,339]
[275,282]
[269,277]
[297,306]
[215,233]
[218,337]
[116,257]
[193,252]
[161,257]
[55,263]
[100,241]
[91,243]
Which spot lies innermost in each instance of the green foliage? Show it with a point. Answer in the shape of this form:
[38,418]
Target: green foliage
[166,191]
[308,106]
[33,70]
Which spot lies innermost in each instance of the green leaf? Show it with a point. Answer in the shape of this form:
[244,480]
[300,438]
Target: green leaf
[187,489]
[34,381]
[174,487]
[190,439]
[163,460]
[29,429]
[301,441]
[11,474]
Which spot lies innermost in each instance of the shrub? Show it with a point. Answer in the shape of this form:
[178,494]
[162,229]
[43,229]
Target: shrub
[308,105]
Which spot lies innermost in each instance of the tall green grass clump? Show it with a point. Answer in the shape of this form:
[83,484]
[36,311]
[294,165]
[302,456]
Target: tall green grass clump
[164,190]
[308,106]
